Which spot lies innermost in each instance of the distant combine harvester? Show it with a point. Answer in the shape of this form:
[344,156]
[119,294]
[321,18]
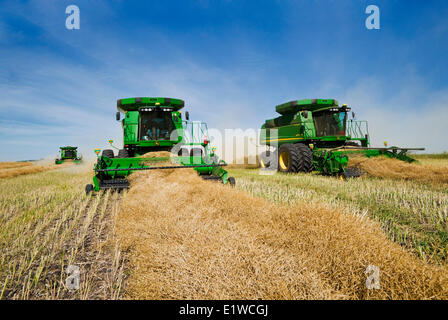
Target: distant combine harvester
[68,153]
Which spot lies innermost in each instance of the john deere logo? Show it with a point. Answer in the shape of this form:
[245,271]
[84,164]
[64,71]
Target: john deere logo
[157,143]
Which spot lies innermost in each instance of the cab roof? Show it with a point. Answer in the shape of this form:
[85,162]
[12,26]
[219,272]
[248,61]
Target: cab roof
[134,104]
[305,104]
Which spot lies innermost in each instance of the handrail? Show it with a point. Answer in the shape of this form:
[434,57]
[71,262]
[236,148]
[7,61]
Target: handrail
[195,131]
[357,129]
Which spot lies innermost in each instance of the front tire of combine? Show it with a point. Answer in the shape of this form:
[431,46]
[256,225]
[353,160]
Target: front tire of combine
[108,153]
[295,158]
[89,188]
[123,153]
[231,181]
[305,163]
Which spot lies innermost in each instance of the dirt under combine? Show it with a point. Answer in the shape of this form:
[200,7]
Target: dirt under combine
[315,134]
[152,125]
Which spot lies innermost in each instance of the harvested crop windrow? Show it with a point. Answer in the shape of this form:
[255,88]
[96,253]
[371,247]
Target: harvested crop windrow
[156,154]
[8,165]
[194,239]
[396,169]
[18,171]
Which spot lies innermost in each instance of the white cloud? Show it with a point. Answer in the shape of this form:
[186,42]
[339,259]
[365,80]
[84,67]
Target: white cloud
[413,116]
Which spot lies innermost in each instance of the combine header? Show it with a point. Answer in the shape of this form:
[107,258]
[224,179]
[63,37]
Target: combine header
[152,125]
[315,134]
[68,153]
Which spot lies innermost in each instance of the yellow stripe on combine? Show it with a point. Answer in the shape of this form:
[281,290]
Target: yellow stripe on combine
[282,139]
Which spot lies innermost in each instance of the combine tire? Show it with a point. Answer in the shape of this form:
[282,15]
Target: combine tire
[305,158]
[231,181]
[89,188]
[265,160]
[108,153]
[288,158]
[295,158]
[123,153]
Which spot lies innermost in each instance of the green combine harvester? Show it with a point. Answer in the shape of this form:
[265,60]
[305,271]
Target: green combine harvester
[316,134]
[68,153]
[156,124]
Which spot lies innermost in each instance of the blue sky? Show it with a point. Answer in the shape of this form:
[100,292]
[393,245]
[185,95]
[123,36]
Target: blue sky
[231,61]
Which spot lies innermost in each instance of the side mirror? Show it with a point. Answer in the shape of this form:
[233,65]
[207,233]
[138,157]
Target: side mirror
[117,116]
[353,115]
[305,114]
[187,115]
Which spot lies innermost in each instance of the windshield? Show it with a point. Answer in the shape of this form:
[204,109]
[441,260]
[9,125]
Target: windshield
[330,123]
[69,153]
[155,125]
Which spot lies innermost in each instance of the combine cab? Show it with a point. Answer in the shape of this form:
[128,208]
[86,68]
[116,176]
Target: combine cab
[315,134]
[68,154]
[154,125]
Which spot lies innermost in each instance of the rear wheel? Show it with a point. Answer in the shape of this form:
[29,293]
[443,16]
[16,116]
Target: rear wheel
[108,153]
[268,160]
[89,188]
[264,159]
[231,181]
[123,153]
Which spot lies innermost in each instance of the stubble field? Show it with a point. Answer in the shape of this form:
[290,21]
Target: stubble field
[173,235]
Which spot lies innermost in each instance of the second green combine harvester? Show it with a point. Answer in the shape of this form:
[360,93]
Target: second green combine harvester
[68,153]
[150,125]
[315,134]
